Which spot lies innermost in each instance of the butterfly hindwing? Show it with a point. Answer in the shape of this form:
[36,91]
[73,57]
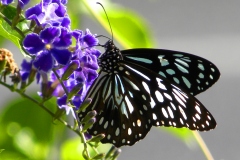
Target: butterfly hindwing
[169,105]
[118,117]
[191,72]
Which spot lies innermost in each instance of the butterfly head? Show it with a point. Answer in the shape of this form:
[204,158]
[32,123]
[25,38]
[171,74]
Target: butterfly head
[108,61]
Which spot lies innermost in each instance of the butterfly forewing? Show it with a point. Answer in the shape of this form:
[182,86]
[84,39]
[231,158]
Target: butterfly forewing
[191,72]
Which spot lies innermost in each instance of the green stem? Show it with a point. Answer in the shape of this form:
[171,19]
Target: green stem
[81,134]
[203,146]
[10,23]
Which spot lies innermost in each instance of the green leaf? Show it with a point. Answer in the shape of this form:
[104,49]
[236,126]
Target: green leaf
[129,29]
[27,131]
[8,32]
[1,150]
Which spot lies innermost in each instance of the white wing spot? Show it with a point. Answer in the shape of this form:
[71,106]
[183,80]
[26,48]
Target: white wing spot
[129,104]
[139,122]
[145,107]
[154,116]
[95,132]
[207,123]
[170,123]
[123,126]
[209,117]
[198,109]
[105,125]
[152,103]
[133,124]
[197,116]
[109,137]
[170,112]
[182,112]
[157,123]
[146,87]
[127,72]
[140,135]
[194,119]
[123,140]
[117,132]
[140,112]
[112,122]
[181,121]
[129,131]
[173,106]
[160,85]
[144,97]
[167,96]
[120,68]
[164,112]
[159,96]
[101,121]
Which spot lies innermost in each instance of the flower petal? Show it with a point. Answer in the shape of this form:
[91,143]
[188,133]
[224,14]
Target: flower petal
[33,44]
[62,56]
[44,61]
[49,34]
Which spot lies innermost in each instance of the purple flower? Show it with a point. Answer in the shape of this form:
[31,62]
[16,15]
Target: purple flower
[85,56]
[6,2]
[62,103]
[86,39]
[49,48]
[22,3]
[27,68]
[48,12]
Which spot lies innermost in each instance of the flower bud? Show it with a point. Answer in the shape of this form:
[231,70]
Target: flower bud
[70,69]
[97,138]
[89,116]
[88,124]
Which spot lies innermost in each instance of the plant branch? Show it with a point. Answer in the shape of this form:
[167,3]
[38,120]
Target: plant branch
[203,146]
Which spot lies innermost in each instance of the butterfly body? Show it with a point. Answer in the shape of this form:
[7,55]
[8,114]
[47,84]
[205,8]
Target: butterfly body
[140,88]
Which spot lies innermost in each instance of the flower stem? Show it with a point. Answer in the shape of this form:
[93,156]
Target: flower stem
[81,134]
[203,146]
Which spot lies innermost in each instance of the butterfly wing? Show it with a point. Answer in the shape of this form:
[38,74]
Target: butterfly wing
[193,73]
[133,99]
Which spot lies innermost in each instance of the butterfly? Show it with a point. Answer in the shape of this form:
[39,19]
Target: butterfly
[140,88]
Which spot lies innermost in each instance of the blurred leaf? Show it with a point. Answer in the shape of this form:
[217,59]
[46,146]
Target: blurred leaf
[72,149]
[129,29]
[26,130]
[184,134]
[6,30]
[1,150]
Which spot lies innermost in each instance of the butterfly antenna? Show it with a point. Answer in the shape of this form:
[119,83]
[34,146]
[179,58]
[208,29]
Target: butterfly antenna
[107,18]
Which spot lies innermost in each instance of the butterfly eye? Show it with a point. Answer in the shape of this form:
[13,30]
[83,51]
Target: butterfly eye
[140,88]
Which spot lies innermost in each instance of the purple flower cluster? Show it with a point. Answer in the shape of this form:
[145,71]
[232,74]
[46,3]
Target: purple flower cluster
[51,49]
